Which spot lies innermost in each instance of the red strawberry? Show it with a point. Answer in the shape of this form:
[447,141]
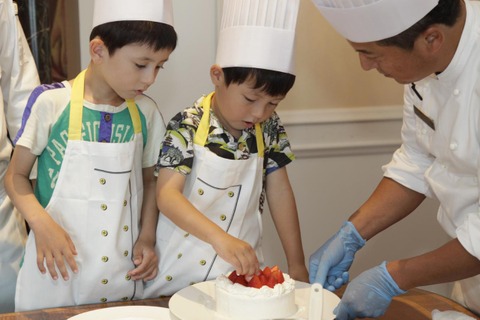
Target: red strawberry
[263,278]
[267,271]
[241,280]
[271,282]
[233,276]
[278,276]
[255,282]
[238,278]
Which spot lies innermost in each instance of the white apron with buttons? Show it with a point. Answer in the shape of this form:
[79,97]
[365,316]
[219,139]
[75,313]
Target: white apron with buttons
[228,193]
[97,201]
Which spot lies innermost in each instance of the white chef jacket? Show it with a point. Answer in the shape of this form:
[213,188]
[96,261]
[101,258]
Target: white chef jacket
[440,149]
[18,77]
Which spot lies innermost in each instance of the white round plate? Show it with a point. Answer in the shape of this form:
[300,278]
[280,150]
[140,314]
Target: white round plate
[198,302]
[125,313]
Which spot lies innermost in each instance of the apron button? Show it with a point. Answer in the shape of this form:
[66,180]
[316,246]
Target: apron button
[192,283]
[104,258]
[104,233]
[231,194]
[125,228]
[169,278]
[128,277]
[124,203]
[223,217]
[104,281]
[201,192]
[125,299]
[107,117]
[203,262]
[103,300]
[125,253]
[103,181]
[179,255]
[186,235]
[103,207]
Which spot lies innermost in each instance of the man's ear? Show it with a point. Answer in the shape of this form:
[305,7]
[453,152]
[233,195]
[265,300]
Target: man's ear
[433,39]
[216,74]
[98,50]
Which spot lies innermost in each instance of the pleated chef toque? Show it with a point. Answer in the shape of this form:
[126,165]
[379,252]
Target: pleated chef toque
[258,34]
[118,10]
[373,20]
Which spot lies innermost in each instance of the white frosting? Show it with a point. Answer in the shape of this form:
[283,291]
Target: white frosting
[236,301]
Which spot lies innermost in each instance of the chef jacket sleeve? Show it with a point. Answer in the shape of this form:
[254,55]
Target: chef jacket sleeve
[155,130]
[18,72]
[411,160]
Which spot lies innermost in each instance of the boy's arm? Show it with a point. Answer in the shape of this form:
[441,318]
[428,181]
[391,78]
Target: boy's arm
[144,256]
[54,245]
[175,206]
[281,202]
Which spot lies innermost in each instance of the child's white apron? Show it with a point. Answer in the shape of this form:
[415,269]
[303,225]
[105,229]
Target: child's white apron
[97,201]
[226,191]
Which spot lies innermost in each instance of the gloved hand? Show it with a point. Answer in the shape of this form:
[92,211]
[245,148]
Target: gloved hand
[368,295]
[329,265]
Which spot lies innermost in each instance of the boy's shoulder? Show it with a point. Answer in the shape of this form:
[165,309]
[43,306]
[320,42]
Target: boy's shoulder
[55,95]
[144,101]
[147,105]
[190,116]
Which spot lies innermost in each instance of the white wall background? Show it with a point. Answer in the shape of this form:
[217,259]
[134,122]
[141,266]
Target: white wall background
[340,141]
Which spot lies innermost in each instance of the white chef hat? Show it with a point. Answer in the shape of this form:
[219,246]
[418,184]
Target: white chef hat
[120,10]
[373,20]
[258,34]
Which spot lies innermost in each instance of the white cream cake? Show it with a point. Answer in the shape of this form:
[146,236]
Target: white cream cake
[235,301]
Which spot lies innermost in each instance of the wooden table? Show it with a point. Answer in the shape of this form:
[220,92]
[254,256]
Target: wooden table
[416,304]
[67,312]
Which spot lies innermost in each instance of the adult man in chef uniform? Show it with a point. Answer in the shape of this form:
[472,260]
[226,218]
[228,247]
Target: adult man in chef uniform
[18,77]
[433,48]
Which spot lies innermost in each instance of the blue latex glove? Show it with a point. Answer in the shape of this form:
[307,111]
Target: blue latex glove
[368,295]
[329,265]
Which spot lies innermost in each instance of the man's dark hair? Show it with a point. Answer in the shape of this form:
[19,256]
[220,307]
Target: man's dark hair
[446,12]
[273,83]
[117,34]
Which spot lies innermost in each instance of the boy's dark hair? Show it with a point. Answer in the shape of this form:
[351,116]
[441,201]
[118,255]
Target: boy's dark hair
[117,34]
[273,83]
[446,12]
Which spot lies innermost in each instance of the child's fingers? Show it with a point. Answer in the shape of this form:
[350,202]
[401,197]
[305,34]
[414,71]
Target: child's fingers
[145,271]
[59,261]
[40,262]
[50,262]
[248,262]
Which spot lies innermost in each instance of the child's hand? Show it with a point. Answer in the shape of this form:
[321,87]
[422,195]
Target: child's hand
[54,246]
[145,260]
[238,253]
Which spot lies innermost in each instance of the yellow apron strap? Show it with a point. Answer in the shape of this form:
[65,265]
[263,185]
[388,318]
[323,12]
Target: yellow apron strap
[259,137]
[201,135]
[76,108]
[135,115]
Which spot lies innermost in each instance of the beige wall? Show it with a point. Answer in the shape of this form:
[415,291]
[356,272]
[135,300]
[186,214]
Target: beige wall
[328,71]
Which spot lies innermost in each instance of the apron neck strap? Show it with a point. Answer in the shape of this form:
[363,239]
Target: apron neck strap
[203,129]
[76,108]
